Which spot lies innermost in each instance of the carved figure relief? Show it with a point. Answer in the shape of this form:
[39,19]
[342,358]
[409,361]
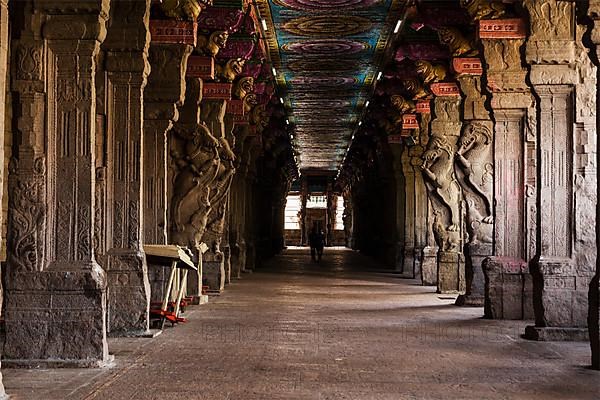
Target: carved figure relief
[458,44]
[243,87]
[185,9]
[27,218]
[230,71]
[430,73]
[195,156]
[438,169]
[484,9]
[211,45]
[415,88]
[402,105]
[474,159]
[545,13]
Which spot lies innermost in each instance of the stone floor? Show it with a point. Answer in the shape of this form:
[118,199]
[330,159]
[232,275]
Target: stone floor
[298,330]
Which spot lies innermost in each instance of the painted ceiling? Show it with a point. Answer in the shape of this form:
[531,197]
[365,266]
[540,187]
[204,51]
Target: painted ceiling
[327,55]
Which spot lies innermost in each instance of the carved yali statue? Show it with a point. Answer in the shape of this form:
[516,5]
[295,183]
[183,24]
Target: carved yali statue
[184,9]
[415,88]
[243,87]
[260,117]
[218,198]
[458,44]
[474,158]
[402,105]
[211,45]
[447,240]
[484,9]
[430,73]
[195,155]
[250,102]
[438,169]
[230,71]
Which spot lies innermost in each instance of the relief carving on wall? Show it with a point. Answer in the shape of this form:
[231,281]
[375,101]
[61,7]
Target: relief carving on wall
[27,217]
[474,161]
[195,157]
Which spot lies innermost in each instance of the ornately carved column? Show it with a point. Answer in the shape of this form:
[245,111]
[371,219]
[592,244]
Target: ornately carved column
[193,165]
[474,167]
[164,92]
[508,284]
[127,67]
[444,191]
[55,290]
[564,81]
[213,114]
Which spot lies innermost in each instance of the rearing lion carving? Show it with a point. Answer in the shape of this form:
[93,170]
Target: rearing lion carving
[438,168]
[474,158]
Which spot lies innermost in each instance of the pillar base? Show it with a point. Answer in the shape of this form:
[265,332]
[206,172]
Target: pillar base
[451,273]
[213,275]
[556,334]
[429,266]
[475,279]
[56,316]
[128,294]
[508,289]
[470,300]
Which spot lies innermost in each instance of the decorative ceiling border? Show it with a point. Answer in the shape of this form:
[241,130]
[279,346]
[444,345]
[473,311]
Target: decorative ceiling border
[264,12]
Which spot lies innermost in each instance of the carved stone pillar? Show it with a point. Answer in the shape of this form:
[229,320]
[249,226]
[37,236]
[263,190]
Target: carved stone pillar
[213,114]
[515,153]
[426,248]
[164,93]
[474,167]
[563,80]
[126,48]
[193,166]
[405,210]
[55,290]
[594,288]
[445,193]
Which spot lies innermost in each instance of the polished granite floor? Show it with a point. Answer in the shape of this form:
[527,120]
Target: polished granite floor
[342,329]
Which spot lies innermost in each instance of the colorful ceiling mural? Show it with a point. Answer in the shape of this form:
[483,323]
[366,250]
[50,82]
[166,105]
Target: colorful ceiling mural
[327,55]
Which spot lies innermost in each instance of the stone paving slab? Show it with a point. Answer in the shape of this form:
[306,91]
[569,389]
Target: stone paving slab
[299,330]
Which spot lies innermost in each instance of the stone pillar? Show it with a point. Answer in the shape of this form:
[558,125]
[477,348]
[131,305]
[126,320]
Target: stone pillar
[444,191]
[515,153]
[55,290]
[193,165]
[594,288]
[564,81]
[4,86]
[164,93]
[426,248]
[474,167]
[404,200]
[213,114]
[126,48]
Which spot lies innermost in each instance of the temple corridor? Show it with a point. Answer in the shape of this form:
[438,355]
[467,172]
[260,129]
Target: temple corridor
[165,163]
[342,329]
